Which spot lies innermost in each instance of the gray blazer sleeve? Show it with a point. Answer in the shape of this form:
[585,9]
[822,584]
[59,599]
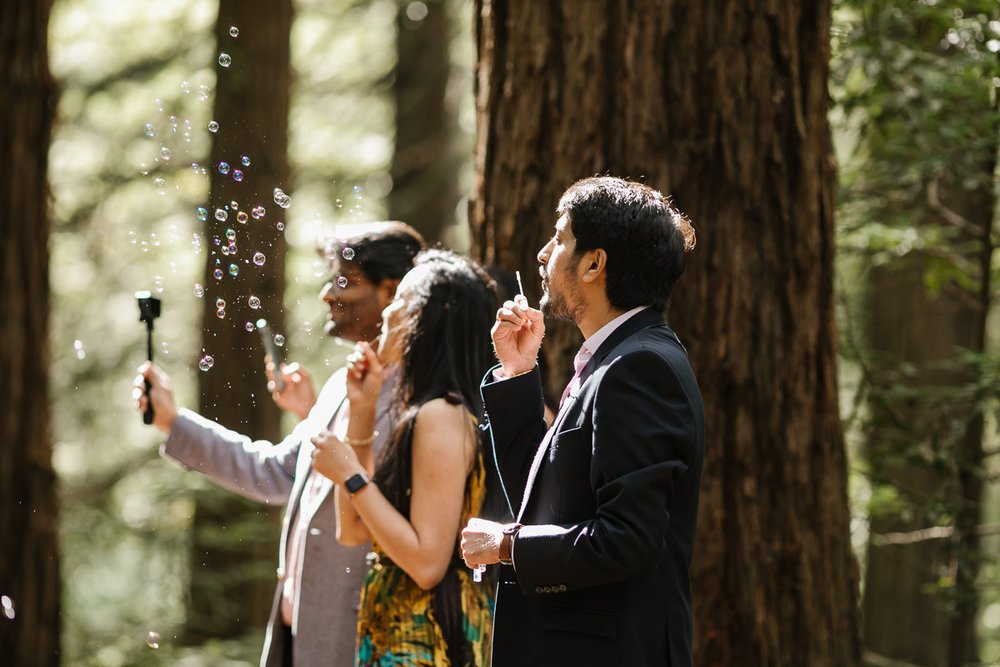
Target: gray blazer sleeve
[256,469]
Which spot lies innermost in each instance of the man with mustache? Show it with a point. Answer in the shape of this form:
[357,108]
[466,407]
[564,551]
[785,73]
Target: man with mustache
[314,616]
[595,569]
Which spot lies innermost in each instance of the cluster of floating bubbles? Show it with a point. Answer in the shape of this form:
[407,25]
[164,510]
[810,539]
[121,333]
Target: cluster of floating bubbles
[81,354]
[204,214]
[281,199]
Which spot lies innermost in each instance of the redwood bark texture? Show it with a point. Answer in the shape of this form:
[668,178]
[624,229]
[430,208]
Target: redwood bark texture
[235,541]
[721,104]
[29,566]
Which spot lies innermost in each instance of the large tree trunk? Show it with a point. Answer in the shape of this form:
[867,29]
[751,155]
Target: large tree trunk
[723,105]
[29,566]
[234,542]
[424,165]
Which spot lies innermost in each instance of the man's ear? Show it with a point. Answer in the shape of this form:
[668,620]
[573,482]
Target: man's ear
[595,262]
[385,291]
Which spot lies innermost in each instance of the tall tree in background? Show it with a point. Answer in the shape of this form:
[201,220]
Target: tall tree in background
[722,104]
[424,165]
[234,543]
[29,568]
[919,200]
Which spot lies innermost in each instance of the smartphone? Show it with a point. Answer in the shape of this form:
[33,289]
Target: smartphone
[267,338]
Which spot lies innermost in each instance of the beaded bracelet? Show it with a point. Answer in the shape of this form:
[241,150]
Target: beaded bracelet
[361,442]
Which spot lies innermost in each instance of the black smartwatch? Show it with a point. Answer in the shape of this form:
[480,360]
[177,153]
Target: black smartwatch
[355,483]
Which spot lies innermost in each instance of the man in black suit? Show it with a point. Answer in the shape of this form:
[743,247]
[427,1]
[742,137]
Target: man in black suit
[608,496]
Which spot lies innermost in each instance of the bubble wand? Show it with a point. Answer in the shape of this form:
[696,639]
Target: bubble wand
[149,310]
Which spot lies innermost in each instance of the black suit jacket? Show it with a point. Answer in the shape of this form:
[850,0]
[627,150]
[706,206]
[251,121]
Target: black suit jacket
[609,498]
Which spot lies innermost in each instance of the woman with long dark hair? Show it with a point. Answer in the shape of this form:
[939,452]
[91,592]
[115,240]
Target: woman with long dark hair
[419,605]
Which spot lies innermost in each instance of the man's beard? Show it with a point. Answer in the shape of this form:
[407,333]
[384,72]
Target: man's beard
[557,306]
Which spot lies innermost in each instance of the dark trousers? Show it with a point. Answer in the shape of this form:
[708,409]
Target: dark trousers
[286,652]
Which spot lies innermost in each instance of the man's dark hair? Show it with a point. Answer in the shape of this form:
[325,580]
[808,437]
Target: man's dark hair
[644,236]
[382,250]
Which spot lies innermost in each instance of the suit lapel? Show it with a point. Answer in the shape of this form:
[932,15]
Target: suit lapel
[641,320]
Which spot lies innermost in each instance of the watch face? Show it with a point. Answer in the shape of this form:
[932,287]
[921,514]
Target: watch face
[355,483]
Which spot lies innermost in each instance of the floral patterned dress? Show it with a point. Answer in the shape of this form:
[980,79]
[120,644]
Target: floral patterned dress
[397,623]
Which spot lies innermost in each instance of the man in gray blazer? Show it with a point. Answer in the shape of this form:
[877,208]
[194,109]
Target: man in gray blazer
[314,617]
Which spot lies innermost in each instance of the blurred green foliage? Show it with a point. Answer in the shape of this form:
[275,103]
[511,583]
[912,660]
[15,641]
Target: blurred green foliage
[915,85]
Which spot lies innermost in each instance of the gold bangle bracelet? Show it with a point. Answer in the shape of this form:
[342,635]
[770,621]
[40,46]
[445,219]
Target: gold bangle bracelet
[361,442]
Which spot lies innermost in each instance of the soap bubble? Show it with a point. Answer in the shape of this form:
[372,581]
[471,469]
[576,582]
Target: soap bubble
[221,214]
[234,32]
[279,340]
[158,284]
[347,253]
[254,302]
[160,185]
[231,234]
[202,213]
[234,270]
[199,290]
[223,168]
[164,153]
[133,238]
[280,226]
[234,205]
[221,313]
[185,88]
[259,259]
[231,248]
[249,325]
[206,362]
[213,126]
[8,607]
[218,274]
[258,212]
[237,175]
[153,638]
[225,60]
[220,303]
[245,160]
[339,203]
[241,217]
[149,130]
[81,354]
[342,281]
[216,241]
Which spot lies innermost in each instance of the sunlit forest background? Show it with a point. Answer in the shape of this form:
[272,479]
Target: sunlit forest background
[914,90]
